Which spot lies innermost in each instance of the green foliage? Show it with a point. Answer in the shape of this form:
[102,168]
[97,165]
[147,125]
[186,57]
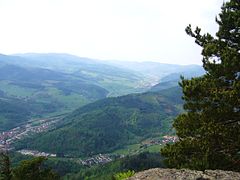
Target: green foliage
[63,166]
[27,169]
[142,161]
[12,113]
[108,125]
[123,175]
[5,169]
[32,169]
[107,171]
[209,131]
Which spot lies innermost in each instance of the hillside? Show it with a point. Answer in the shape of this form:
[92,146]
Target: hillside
[12,113]
[41,92]
[109,124]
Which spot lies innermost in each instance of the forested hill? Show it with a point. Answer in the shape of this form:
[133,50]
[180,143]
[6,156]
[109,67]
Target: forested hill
[109,124]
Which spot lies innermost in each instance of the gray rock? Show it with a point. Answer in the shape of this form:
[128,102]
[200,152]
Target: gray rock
[185,174]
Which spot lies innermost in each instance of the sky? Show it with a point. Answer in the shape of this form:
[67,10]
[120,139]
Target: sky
[127,30]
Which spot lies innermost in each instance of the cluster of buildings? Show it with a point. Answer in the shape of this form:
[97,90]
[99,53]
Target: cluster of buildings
[169,139]
[36,153]
[18,133]
[98,159]
[164,140]
[8,137]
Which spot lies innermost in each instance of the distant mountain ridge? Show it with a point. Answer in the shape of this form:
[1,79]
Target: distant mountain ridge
[117,81]
[159,70]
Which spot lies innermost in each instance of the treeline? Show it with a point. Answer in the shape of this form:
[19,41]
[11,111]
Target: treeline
[134,163]
[62,166]
[19,167]
[27,169]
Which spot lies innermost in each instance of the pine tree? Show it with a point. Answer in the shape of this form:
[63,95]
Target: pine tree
[209,130]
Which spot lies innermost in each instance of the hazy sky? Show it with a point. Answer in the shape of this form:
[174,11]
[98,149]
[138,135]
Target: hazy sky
[133,30]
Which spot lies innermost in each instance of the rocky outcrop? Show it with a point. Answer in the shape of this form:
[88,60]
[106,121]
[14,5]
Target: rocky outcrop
[185,174]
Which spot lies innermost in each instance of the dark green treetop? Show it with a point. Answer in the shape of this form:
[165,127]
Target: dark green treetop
[27,169]
[33,169]
[5,167]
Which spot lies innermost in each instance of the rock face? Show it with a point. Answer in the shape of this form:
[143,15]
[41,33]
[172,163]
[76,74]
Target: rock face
[185,174]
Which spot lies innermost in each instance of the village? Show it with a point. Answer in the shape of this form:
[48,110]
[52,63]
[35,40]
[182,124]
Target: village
[164,140]
[28,129]
[97,159]
[36,153]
